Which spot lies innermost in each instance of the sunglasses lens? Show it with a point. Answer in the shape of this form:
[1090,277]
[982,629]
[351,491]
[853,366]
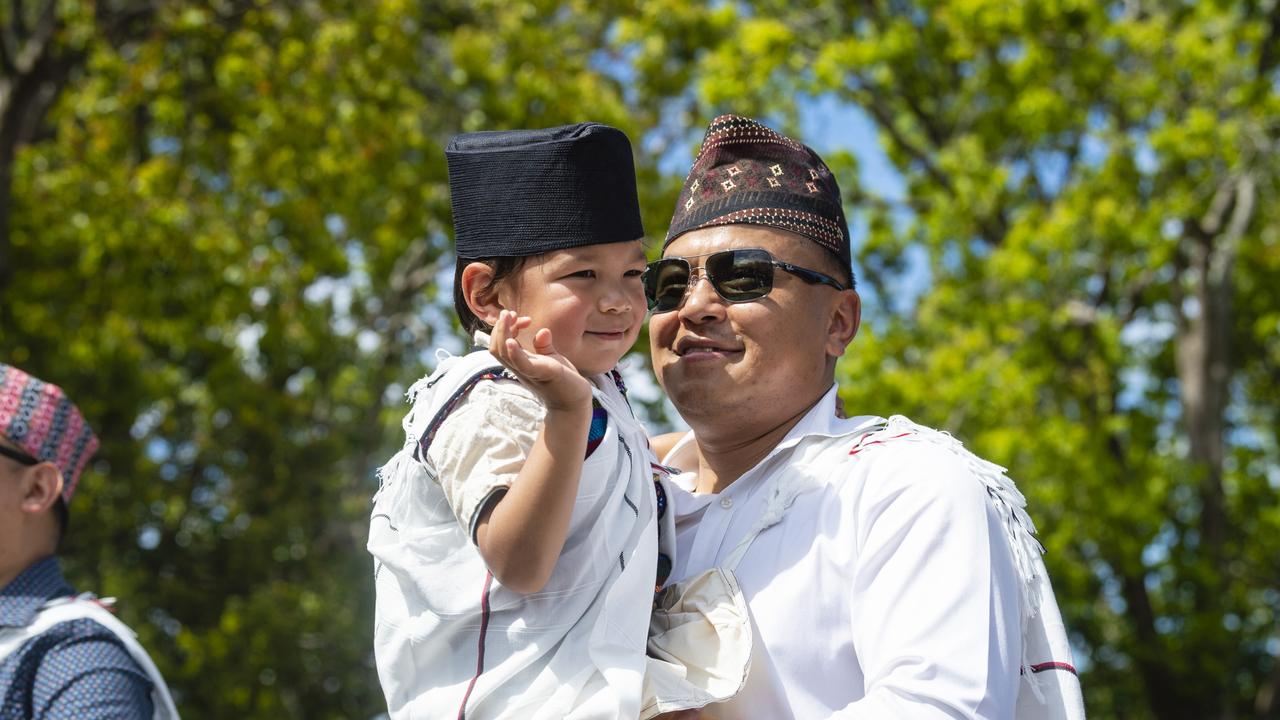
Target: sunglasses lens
[741,275]
[737,275]
[665,283]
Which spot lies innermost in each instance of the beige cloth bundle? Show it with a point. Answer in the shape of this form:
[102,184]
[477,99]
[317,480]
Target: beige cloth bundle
[699,644]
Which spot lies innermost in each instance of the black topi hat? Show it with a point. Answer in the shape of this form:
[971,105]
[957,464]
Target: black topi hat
[524,192]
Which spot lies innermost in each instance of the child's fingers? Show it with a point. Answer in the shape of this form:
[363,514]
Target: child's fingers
[542,342]
[498,338]
[503,343]
[506,319]
[514,356]
[509,323]
[520,362]
[537,364]
[507,326]
[537,368]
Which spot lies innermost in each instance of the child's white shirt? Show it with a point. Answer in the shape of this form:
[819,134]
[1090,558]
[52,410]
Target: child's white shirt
[576,649]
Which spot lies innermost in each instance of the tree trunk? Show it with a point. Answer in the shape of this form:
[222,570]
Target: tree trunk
[32,74]
[1203,350]
[1203,303]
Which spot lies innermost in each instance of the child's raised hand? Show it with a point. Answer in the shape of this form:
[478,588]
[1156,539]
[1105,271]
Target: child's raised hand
[545,371]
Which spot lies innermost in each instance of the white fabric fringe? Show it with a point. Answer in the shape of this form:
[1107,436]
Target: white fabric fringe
[1010,504]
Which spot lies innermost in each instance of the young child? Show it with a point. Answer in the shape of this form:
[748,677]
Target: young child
[515,535]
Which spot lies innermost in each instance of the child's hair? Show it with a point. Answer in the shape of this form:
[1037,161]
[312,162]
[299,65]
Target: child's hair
[503,268]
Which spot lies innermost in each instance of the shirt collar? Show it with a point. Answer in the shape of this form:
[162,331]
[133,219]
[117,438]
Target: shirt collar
[820,422]
[22,598]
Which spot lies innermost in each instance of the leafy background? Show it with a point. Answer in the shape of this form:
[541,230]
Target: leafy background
[224,228]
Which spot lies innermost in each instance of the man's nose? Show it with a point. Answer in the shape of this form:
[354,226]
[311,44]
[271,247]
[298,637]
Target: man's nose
[702,303]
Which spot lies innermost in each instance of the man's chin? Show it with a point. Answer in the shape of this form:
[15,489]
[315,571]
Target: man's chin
[698,394]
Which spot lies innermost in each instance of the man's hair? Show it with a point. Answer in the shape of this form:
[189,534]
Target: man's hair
[832,266]
[829,264]
[503,268]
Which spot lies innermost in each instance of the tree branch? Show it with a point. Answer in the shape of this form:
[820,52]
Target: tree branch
[40,71]
[1264,702]
[882,113]
[927,121]
[25,95]
[17,17]
[7,41]
[35,46]
[1148,652]
[1157,678]
[992,229]
[880,202]
[1269,53]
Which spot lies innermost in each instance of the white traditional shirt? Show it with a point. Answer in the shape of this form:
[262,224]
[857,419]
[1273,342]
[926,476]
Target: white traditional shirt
[895,584]
[449,640]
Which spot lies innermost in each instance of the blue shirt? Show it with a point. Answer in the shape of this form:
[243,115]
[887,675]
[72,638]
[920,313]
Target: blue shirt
[76,669]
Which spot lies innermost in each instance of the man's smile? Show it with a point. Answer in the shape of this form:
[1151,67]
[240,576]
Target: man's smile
[692,346]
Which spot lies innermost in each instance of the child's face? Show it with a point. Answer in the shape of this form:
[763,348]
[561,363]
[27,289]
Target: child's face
[589,297]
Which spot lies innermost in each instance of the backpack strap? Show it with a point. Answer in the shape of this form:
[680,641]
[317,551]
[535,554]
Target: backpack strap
[496,372]
[13,638]
[595,431]
[88,607]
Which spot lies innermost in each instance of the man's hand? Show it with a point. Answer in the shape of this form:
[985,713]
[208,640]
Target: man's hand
[544,371]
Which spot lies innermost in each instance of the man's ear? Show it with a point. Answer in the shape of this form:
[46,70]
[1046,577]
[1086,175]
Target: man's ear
[481,296]
[42,486]
[846,318]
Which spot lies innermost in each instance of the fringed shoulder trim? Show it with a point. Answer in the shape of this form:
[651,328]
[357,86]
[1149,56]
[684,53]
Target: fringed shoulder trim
[1008,501]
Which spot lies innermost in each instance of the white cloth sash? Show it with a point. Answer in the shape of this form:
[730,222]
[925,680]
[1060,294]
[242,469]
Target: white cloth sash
[56,612]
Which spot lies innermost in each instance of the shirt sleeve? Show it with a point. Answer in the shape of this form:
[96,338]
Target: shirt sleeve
[935,612]
[93,678]
[481,447]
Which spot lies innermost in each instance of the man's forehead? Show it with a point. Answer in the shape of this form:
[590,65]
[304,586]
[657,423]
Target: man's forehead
[728,237]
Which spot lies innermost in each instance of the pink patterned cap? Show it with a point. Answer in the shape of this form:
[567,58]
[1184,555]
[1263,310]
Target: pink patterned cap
[41,420]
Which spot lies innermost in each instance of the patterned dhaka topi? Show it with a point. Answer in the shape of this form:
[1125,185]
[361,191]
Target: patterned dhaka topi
[746,173]
[39,419]
[522,192]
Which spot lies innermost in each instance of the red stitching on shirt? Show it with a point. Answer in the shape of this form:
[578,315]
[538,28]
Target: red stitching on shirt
[1053,665]
[860,446]
[484,628]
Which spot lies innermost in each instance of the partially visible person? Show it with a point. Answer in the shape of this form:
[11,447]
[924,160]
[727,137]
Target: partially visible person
[62,655]
[890,573]
[516,534]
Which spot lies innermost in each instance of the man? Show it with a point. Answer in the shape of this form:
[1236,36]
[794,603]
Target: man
[890,573]
[61,655]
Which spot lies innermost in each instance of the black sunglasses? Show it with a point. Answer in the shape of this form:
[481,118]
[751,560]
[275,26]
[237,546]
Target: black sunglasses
[18,455]
[738,276]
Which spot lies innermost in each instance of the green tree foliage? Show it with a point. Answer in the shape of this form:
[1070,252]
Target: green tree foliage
[1093,186]
[229,223]
[224,227]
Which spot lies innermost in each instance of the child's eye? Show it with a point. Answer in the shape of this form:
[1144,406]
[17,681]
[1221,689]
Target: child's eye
[583,274]
[633,273]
